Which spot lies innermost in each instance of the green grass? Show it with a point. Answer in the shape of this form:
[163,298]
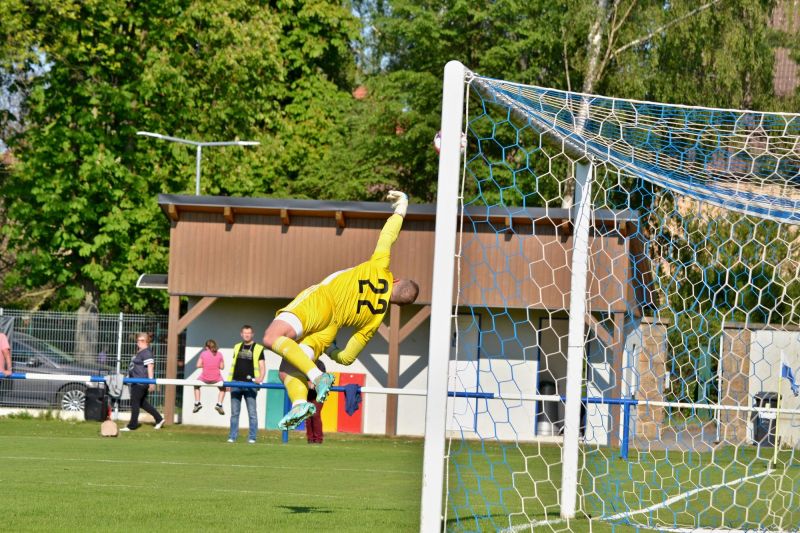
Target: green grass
[62,476]
[490,481]
[767,500]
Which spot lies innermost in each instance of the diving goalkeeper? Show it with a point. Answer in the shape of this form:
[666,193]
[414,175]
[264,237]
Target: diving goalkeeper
[357,297]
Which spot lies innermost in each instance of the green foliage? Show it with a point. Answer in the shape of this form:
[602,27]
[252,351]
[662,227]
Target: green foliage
[659,51]
[720,57]
[83,195]
[402,61]
[81,199]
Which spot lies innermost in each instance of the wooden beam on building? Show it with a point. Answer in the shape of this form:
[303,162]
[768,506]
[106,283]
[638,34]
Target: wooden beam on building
[196,310]
[617,351]
[172,357]
[395,335]
[383,331]
[340,219]
[393,370]
[285,217]
[600,330]
[227,212]
[176,324]
[172,212]
[415,322]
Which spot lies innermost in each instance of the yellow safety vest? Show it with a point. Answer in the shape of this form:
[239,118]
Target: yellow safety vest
[258,349]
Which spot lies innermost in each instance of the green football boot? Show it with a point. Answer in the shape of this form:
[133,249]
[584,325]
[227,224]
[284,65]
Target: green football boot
[297,414]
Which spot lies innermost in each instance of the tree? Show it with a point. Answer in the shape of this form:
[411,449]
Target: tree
[82,197]
[711,53]
[405,47]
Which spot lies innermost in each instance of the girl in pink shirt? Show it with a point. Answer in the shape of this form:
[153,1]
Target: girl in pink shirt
[211,362]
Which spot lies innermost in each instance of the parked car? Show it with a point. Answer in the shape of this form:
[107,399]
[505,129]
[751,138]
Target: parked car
[35,356]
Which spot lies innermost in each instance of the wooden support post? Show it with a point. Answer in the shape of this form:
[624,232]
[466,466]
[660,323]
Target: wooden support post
[617,350]
[172,357]
[394,335]
[415,322]
[383,331]
[176,325]
[393,370]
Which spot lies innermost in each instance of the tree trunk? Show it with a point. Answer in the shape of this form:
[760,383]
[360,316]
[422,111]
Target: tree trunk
[591,76]
[87,331]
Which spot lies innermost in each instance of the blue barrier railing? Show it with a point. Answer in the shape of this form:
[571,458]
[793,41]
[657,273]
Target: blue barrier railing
[626,403]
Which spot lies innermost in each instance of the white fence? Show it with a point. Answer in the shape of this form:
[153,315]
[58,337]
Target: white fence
[48,342]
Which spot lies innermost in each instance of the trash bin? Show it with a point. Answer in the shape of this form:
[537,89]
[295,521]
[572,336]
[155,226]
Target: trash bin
[764,423]
[548,411]
[95,405]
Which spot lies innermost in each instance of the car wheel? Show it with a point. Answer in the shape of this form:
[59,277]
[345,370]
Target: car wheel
[72,397]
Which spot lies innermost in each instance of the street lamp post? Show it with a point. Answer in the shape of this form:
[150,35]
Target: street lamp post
[199,146]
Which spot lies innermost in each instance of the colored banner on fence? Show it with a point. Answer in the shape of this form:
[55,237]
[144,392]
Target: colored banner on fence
[274,401]
[354,423]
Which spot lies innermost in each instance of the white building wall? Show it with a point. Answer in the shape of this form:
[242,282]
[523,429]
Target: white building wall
[765,376]
[511,353]
[766,346]
[508,366]
[222,322]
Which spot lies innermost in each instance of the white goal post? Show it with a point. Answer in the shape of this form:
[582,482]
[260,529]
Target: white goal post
[615,320]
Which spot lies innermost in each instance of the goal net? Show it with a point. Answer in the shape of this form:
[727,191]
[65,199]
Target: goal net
[625,340]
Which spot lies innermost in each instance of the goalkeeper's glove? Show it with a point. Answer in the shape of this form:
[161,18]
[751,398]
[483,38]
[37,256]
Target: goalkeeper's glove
[399,202]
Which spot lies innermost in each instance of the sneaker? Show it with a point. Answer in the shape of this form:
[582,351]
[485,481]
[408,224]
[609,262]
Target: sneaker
[251,441]
[297,414]
[231,440]
[159,424]
[197,407]
[219,409]
[126,428]
[323,386]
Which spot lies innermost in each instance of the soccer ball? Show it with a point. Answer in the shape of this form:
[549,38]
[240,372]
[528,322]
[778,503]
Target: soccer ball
[437,142]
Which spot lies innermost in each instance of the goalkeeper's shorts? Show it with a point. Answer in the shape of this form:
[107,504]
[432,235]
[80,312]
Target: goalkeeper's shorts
[315,310]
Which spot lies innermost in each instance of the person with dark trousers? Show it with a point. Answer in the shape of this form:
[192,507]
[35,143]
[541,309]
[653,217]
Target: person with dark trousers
[314,422]
[142,366]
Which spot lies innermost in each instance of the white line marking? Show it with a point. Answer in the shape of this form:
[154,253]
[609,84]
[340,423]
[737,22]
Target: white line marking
[682,496]
[114,485]
[195,489]
[397,445]
[665,503]
[183,463]
[704,530]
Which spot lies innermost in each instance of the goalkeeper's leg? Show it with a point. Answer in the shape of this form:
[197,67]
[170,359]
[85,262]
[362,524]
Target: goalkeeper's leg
[296,355]
[311,311]
[296,388]
[281,337]
[315,344]
[311,316]
[299,358]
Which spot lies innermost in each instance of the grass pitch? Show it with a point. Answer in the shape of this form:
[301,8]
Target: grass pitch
[62,476]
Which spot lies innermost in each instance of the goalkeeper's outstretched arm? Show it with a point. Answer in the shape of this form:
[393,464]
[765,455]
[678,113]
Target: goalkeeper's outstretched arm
[392,227]
[354,346]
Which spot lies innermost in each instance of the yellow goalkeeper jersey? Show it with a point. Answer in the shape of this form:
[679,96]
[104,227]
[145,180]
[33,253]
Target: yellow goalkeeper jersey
[361,294]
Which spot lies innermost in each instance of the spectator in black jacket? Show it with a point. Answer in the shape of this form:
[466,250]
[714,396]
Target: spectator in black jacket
[142,366]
